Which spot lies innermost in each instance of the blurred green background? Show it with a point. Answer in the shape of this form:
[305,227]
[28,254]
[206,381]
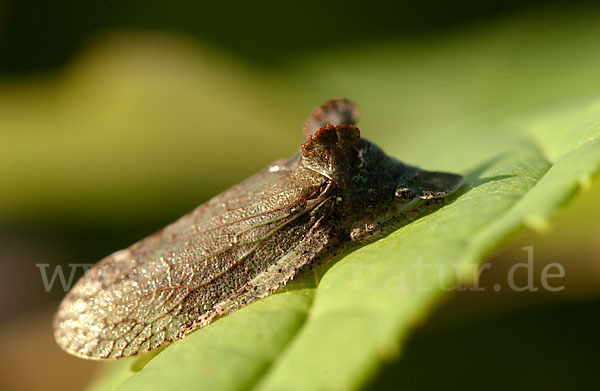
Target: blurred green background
[118,117]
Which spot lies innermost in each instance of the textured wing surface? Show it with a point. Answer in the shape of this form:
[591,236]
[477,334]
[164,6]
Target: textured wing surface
[237,247]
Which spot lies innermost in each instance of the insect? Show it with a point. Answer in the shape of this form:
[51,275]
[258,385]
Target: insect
[246,242]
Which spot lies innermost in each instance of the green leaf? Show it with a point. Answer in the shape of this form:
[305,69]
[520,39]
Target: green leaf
[367,303]
[233,353]
[370,300]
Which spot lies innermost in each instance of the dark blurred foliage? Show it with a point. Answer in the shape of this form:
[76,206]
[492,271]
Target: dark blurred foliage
[507,351]
[37,34]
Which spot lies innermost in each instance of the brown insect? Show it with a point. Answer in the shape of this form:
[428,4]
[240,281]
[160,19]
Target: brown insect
[246,242]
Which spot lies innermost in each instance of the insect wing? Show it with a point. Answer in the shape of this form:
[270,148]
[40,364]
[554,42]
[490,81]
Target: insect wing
[239,246]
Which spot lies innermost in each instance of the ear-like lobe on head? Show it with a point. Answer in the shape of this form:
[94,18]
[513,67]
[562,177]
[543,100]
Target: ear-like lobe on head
[331,150]
[334,112]
[428,184]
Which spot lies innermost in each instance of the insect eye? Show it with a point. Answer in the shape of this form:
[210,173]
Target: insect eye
[404,194]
